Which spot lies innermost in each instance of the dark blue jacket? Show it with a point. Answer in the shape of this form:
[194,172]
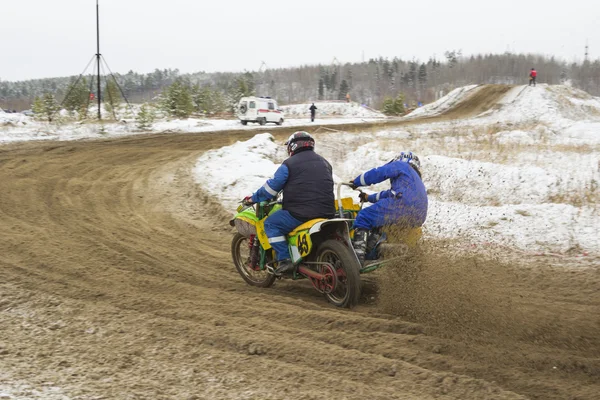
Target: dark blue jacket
[306,179]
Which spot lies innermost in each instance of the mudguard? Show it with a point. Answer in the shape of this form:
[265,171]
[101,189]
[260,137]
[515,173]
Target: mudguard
[301,244]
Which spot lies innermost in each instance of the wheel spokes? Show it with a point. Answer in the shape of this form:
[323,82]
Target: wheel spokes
[341,288]
[251,273]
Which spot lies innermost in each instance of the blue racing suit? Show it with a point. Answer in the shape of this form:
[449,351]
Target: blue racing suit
[405,203]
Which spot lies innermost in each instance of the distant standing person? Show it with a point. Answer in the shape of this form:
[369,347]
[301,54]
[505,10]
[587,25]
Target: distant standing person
[313,111]
[532,76]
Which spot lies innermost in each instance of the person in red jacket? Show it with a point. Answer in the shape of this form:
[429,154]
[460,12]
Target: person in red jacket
[532,76]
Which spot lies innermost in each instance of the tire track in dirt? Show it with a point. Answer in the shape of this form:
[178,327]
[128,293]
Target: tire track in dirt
[117,282]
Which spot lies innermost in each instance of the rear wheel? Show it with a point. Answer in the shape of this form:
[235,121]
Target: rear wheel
[262,121]
[244,122]
[343,259]
[240,252]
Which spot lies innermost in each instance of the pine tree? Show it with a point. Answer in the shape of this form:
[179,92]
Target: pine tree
[198,98]
[333,80]
[204,99]
[377,81]
[321,89]
[393,106]
[250,84]
[349,76]
[145,117]
[422,75]
[177,100]
[78,99]
[45,107]
[452,57]
[399,104]
[38,108]
[112,97]
[344,89]
[272,87]
[564,76]
[388,106]
[412,75]
[242,87]
[218,102]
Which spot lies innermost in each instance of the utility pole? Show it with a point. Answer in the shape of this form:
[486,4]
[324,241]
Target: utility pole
[98,58]
[585,58]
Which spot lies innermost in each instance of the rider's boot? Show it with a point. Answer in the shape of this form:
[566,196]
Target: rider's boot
[284,267]
[360,244]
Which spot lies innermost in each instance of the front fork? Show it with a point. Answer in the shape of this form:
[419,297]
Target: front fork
[258,255]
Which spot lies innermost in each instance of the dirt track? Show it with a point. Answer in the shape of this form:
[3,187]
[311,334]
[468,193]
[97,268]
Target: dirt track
[116,283]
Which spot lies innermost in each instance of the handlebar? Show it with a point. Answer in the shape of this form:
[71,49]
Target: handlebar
[339,196]
[243,205]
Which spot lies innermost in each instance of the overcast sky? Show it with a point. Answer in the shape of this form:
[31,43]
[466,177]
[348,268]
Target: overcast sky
[47,38]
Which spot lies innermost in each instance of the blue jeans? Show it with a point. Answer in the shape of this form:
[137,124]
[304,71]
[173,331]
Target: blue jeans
[277,225]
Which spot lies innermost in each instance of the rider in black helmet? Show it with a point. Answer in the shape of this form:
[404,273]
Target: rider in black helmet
[306,179]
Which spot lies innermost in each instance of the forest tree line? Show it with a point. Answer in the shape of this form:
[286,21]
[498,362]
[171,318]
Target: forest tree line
[375,82]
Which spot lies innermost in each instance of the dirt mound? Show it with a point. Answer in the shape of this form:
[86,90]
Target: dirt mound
[481,100]
[117,282]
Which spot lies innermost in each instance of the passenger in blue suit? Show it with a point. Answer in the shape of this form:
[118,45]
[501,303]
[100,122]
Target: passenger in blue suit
[404,204]
[306,180]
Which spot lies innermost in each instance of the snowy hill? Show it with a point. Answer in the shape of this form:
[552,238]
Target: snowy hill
[517,104]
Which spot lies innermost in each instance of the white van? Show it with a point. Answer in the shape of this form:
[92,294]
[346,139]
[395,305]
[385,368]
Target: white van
[259,109]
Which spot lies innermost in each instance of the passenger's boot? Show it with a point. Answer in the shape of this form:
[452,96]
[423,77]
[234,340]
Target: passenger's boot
[284,267]
[372,240]
[360,244]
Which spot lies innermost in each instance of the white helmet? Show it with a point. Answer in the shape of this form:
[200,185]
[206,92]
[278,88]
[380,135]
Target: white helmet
[410,158]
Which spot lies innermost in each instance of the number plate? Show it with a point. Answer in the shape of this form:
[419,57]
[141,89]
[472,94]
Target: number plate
[304,244]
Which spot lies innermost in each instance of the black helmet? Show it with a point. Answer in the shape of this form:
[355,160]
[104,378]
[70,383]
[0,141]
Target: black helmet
[299,140]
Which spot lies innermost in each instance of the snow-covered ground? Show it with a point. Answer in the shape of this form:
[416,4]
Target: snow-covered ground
[18,127]
[535,188]
[331,110]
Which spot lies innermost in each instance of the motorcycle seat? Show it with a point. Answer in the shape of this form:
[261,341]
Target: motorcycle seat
[305,226]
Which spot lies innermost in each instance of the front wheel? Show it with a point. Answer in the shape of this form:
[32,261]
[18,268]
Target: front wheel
[343,259]
[280,121]
[244,122]
[240,252]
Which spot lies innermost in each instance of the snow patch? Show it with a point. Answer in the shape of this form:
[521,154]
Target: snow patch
[331,109]
[482,202]
[515,137]
[235,171]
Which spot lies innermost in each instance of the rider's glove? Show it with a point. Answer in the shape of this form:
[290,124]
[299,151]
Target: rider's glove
[247,201]
[352,185]
[363,197]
